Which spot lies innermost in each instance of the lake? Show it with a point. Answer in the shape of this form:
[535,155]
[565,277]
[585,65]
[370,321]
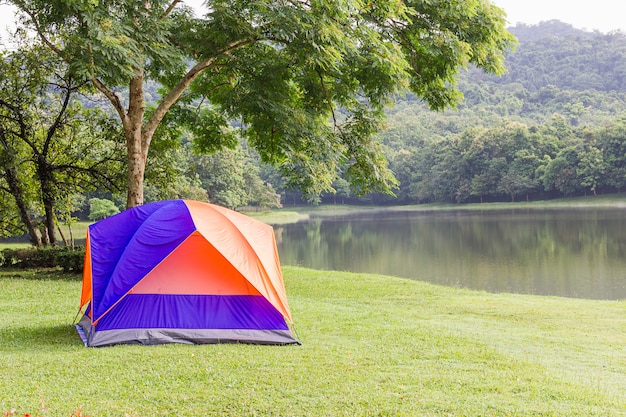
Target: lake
[572,253]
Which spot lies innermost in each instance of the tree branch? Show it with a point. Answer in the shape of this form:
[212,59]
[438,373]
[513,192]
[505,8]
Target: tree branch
[58,120]
[40,33]
[113,98]
[169,9]
[94,175]
[9,106]
[19,119]
[175,93]
[329,100]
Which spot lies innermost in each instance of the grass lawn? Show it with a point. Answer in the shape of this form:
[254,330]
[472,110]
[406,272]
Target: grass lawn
[277,216]
[292,214]
[78,231]
[371,346]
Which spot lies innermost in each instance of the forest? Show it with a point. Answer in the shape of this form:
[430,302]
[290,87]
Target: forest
[553,125]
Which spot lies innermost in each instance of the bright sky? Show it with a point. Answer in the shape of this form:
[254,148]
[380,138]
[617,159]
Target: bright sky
[602,15]
[7,18]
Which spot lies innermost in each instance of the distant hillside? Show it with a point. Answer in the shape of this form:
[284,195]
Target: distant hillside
[554,125]
[552,28]
[555,70]
[556,54]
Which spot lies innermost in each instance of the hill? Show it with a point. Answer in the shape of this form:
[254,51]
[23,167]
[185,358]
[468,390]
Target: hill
[556,69]
[552,126]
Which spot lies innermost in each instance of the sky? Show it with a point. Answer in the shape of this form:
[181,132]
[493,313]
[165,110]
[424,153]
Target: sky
[602,15]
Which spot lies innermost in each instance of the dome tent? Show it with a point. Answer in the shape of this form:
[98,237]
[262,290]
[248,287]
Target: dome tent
[182,271]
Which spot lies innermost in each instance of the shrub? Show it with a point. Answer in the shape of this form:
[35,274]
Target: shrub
[71,260]
[100,208]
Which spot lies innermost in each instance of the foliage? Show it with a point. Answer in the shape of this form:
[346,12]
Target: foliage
[100,208]
[564,58]
[51,147]
[10,224]
[69,259]
[169,174]
[505,142]
[552,116]
[307,80]
[427,150]
[512,160]
[222,175]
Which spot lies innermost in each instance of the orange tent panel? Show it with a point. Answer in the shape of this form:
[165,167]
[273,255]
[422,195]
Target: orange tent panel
[85,295]
[238,239]
[199,269]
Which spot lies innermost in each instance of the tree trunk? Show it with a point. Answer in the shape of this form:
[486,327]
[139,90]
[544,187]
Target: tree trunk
[62,234]
[45,239]
[136,142]
[46,180]
[49,222]
[18,196]
[136,169]
[16,190]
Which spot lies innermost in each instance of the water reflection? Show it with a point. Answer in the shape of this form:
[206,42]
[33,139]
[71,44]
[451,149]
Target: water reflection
[574,253]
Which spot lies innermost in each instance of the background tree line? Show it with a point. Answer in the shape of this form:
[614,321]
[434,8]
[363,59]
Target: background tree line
[62,154]
[553,125]
[189,105]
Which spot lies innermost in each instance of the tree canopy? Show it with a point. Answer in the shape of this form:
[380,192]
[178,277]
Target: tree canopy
[50,145]
[307,80]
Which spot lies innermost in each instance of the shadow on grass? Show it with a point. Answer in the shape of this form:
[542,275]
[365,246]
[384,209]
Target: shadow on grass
[48,274]
[39,338]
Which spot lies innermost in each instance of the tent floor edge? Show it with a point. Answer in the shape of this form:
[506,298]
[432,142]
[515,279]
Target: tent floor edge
[184,336]
[82,334]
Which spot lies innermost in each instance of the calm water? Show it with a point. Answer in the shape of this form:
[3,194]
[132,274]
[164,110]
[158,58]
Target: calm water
[575,253]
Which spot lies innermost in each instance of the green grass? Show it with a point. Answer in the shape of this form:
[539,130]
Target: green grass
[277,217]
[79,231]
[4,245]
[371,346]
[293,214]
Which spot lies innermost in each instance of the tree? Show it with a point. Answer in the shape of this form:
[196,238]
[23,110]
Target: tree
[260,193]
[19,84]
[560,173]
[100,208]
[611,141]
[513,184]
[520,178]
[222,175]
[49,145]
[308,80]
[591,168]
[170,172]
